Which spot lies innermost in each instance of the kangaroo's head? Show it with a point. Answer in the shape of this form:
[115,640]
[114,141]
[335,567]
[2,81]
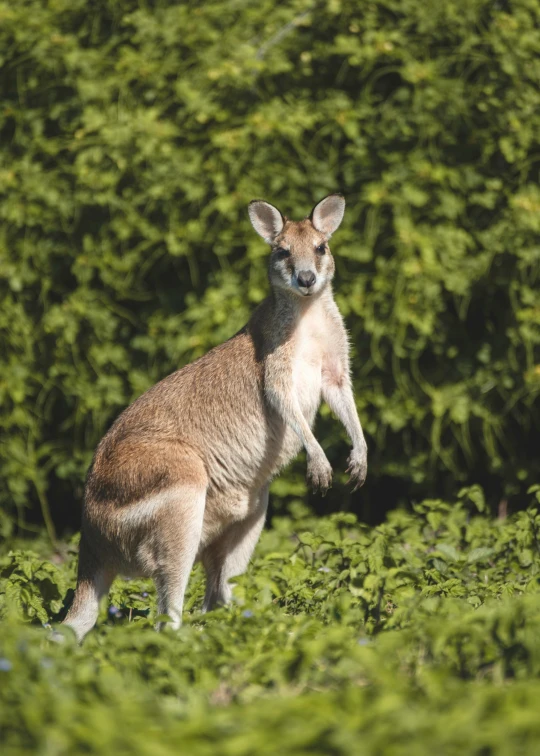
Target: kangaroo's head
[300,261]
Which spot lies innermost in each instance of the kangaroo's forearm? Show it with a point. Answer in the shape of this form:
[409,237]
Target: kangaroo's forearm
[280,395]
[340,399]
[288,409]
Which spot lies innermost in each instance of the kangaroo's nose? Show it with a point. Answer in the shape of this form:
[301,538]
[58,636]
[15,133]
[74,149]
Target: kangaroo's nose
[306,278]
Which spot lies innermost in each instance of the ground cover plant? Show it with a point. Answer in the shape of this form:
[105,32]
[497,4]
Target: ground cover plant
[420,635]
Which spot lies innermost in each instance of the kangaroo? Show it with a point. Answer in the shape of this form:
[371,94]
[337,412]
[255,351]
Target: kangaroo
[183,473]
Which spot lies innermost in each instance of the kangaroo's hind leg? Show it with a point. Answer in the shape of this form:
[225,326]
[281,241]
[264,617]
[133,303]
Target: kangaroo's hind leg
[176,543]
[229,555]
[93,582]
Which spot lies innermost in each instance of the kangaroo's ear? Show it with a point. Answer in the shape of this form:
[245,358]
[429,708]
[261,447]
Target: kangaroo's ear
[266,219]
[328,214]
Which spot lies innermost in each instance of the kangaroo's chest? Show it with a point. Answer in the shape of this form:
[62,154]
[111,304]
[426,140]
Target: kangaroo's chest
[311,344]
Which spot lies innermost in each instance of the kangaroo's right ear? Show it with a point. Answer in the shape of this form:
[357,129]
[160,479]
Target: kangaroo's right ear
[266,219]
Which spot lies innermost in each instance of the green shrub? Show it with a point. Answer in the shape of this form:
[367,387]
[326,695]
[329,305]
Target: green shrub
[421,635]
[133,136]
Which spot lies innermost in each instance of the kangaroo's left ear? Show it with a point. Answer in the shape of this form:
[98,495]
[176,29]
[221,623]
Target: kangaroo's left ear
[328,214]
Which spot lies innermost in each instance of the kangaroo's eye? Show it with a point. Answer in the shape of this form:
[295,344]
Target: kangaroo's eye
[282,253]
[321,249]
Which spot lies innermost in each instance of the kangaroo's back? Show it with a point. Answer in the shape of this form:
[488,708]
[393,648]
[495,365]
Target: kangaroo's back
[215,407]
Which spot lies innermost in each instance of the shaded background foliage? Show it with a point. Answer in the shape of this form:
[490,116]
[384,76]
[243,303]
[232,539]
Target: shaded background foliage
[132,136]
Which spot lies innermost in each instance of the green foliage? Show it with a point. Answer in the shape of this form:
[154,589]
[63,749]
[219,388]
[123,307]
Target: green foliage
[31,584]
[421,635]
[132,137]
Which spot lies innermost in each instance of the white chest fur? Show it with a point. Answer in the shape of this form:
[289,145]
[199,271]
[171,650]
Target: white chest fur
[312,342]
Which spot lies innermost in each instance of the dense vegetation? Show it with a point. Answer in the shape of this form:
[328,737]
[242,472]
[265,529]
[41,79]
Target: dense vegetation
[419,636]
[133,134]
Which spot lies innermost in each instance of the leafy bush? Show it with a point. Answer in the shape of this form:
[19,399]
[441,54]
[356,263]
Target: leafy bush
[132,137]
[421,635]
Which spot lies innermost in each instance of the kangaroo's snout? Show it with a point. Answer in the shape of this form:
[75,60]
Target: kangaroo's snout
[306,279]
